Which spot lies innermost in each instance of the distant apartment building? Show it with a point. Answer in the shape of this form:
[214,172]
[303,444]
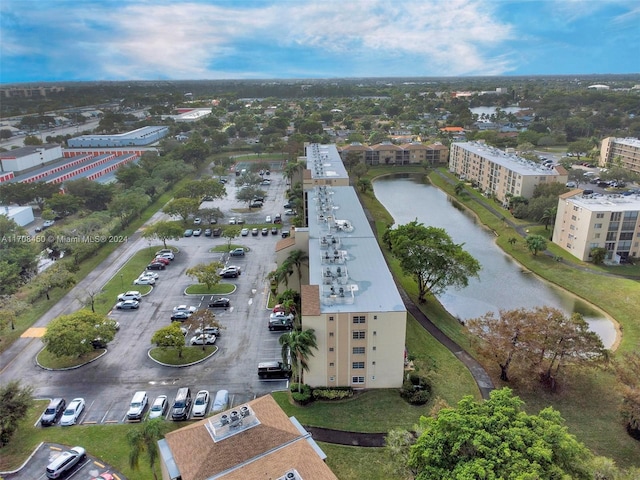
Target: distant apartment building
[29,92]
[387,153]
[584,222]
[499,173]
[621,151]
[348,295]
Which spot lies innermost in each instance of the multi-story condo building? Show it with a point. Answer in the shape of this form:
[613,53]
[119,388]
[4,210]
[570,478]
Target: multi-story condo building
[501,174]
[348,294]
[621,151]
[387,153]
[584,222]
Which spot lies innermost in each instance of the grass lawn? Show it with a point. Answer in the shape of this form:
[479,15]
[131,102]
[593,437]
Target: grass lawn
[219,289]
[355,463]
[48,360]
[171,356]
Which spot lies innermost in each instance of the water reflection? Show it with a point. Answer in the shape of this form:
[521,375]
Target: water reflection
[503,283]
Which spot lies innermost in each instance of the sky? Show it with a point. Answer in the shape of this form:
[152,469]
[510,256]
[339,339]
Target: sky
[92,40]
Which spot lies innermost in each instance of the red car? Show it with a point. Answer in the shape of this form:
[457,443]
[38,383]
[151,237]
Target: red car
[166,261]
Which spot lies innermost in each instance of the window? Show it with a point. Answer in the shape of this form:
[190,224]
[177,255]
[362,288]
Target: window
[332,378]
[356,380]
[358,319]
[358,350]
[597,225]
[359,334]
[331,319]
[597,235]
[331,364]
[331,349]
[357,365]
[331,334]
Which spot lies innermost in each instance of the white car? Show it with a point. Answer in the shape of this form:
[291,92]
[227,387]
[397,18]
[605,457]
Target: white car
[159,407]
[72,412]
[203,339]
[149,274]
[144,280]
[167,255]
[244,232]
[128,305]
[201,404]
[185,308]
[130,295]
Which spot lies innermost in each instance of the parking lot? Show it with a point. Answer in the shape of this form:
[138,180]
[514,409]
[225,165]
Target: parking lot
[108,383]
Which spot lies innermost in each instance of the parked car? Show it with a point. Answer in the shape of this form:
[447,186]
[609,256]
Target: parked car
[265,232]
[144,280]
[274,230]
[207,232]
[220,302]
[230,272]
[149,274]
[267,219]
[255,204]
[197,232]
[188,232]
[232,221]
[208,330]
[180,316]
[200,404]
[65,462]
[167,255]
[156,266]
[244,232]
[130,295]
[197,221]
[164,250]
[254,232]
[72,412]
[159,407]
[161,259]
[48,223]
[185,308]
[53,412]
[221,401]
[277,218]
[137,405]
[240,221]
[203,339]
[128,305]
[237,252]
[216,232]
[290,212]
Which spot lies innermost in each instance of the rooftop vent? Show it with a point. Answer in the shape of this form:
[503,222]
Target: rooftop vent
[230,422]
[291,475]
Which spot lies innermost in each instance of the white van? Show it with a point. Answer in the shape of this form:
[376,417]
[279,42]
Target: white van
[137,406]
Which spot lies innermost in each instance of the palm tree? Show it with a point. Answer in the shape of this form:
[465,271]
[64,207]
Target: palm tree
[292,168]
[282,274]
[459,188]
[145,440]
[298,344]
[297,258]
[549,216]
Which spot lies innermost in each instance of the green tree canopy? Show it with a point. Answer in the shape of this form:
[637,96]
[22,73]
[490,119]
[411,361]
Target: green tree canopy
[164,231]
[206,273]
[169,337]
[182,207]
[430,256]
[536,243]
[17,256]
[14,404]
[298,345]
[71,335]
[496,439]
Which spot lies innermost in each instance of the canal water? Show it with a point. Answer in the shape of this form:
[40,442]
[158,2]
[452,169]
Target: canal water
[502,283]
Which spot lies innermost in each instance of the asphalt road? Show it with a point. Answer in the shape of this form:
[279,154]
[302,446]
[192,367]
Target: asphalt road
[108,383]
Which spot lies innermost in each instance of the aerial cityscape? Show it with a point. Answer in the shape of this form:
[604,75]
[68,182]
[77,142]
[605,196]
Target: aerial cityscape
[261,239]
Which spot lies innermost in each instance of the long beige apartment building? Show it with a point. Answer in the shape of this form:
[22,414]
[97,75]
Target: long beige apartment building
[501,174]
[622,151]
[348,294]
[591,220]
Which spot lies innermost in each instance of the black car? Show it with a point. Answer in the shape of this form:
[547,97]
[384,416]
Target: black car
[156,266]
[274,230]
[217,232]
[265,232]
[219,302]
[180,316]
[53,412]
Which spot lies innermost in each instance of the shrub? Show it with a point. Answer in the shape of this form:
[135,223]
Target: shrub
[304,396]
[416,390]
[335,393]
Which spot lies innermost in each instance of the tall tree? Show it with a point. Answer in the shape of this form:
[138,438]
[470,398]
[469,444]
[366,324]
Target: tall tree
[230,233]
[17,258]
[143,440]
[71,335]
[539,341]
[15,401]
[163,231]
[430,256]
[536,243]
[298,344]
[169,337]
[627,369]
[206,273]
[297,258]
[182,207]
[495,438]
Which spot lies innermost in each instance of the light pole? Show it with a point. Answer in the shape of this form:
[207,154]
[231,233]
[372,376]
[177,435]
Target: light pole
[121,281]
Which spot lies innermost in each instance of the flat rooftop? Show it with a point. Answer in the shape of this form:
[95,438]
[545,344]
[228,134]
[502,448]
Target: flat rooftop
[510,161]
[344,257]
[598,202]
[324,162]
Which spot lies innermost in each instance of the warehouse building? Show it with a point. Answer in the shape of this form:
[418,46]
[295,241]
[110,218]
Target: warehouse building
[140,137]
